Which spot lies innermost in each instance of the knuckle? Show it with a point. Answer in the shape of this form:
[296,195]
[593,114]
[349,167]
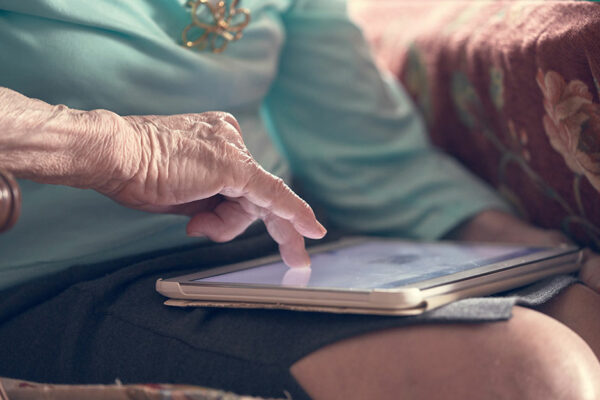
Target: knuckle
[251,170]
[229,134]
[220,118]
[279,183]
[280,188]
[210,115]
[231,120]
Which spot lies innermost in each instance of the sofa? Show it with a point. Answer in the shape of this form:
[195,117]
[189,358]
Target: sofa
[511,89]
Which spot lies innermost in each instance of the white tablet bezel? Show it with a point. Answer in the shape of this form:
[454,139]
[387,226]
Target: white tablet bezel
[410,299]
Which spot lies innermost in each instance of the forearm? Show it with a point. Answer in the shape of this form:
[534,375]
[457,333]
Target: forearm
[56,144]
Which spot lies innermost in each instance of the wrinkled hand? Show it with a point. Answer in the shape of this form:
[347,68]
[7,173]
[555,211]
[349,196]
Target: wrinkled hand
[198,165]
[192,164]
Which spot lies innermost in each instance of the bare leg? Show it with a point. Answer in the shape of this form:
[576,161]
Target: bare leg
[531,356]
[578,307]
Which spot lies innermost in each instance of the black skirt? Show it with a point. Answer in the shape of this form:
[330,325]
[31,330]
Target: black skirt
[97,323]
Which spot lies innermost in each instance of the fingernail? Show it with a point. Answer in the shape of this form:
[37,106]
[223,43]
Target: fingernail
[321,228]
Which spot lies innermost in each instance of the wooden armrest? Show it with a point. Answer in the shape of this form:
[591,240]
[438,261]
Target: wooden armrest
[10,201]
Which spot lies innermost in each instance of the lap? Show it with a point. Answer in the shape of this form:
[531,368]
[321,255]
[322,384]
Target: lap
[107,324]
[93,325]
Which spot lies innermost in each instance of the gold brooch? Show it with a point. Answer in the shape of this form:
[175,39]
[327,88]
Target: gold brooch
[218,32]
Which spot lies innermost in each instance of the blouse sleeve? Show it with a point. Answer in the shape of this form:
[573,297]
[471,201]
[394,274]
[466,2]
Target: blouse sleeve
[354,139]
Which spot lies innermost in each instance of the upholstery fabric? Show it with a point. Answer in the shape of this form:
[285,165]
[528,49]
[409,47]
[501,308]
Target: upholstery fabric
[511,88]
[25,390]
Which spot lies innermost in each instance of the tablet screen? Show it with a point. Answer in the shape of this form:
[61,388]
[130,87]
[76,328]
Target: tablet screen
[377,264]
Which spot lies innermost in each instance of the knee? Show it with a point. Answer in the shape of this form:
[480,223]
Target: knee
[542,358]
[529,357]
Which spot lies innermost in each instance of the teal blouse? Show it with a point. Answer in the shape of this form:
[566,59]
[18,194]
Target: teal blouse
[302,83]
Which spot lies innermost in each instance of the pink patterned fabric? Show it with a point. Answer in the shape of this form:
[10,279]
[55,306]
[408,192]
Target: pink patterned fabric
[511,88]
[25,390]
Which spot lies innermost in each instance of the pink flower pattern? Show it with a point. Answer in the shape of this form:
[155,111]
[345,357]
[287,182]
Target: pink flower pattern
[572,123]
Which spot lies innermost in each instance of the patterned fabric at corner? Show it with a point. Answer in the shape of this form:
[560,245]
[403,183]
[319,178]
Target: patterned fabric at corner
[25,390]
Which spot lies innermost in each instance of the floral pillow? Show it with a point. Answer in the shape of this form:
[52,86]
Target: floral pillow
[511,88]
[572,123]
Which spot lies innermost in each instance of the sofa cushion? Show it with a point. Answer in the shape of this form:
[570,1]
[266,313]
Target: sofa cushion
[511,88]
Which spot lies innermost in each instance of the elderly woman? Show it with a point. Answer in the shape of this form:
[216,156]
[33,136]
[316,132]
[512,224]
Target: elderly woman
[137,157]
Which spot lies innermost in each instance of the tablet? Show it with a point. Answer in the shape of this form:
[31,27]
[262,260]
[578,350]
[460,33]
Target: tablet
[372,276]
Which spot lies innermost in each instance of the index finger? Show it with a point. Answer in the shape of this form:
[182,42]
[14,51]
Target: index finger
[270,192]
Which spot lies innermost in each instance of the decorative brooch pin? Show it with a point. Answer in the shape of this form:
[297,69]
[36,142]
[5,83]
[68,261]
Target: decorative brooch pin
[225,24]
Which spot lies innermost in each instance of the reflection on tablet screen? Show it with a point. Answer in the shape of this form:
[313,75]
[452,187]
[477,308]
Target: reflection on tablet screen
[381,265]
